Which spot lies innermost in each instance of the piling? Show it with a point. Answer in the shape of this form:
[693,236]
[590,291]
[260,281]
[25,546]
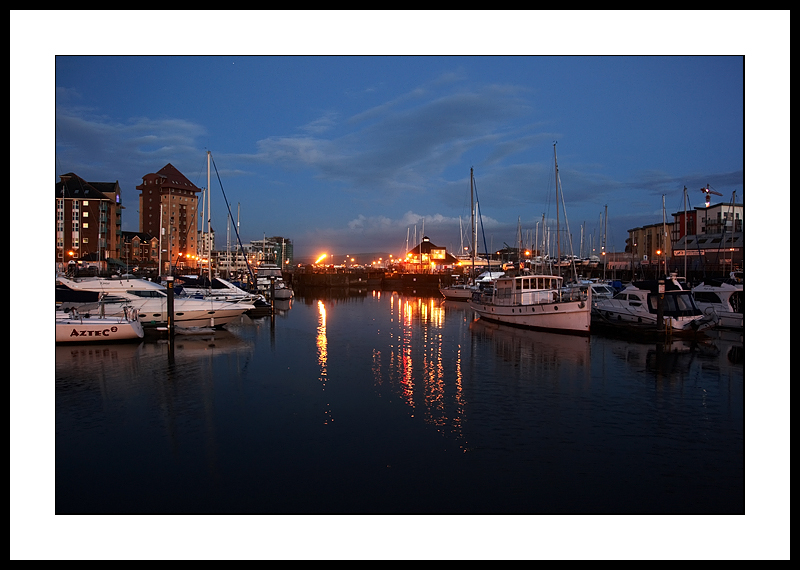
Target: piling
[171,306]
[660,307]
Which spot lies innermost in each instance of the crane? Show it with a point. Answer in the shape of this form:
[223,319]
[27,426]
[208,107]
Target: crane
[708,191]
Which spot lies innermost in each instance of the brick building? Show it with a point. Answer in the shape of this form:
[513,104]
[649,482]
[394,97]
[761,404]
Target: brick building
[88,221]
[168,207]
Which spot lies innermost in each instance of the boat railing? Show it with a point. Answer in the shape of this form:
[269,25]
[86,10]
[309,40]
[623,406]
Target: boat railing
[537,297]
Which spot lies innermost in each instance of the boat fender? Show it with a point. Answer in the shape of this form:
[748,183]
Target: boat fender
[582,305]
[693,324]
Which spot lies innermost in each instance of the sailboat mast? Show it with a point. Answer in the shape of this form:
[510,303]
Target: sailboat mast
[605,234]
[685,231]
[664,230]
[208,197]
[474,226]
[558,222]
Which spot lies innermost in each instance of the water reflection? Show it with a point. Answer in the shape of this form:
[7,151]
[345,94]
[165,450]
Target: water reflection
[322,354]
[536,352]
[421,364]
[227,421]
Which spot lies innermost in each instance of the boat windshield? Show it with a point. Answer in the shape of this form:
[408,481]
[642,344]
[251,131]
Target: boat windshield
[676,304]
[148,293]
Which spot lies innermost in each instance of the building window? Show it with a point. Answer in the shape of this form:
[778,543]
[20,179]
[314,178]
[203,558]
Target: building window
[85,240]
[86,214]
[86,202]
[85,225]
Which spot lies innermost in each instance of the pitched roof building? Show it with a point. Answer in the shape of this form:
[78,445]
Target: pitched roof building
[427,256]
[88,219]
[168,207]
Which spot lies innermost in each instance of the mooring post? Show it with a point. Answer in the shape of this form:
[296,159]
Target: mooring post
[171,305]
[660,306]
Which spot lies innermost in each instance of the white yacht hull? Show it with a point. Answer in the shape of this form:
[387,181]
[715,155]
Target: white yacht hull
[95,328]
[570,316]
[457,292]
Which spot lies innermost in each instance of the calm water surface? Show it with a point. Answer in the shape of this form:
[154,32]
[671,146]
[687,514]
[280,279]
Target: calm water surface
[379,402]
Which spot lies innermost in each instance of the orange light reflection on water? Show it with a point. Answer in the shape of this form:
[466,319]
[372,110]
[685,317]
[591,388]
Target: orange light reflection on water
[322,354]
[420,367]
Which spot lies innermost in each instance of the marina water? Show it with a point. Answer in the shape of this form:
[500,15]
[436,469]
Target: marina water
[368,401]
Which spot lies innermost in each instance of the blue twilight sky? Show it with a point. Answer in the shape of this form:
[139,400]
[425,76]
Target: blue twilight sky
[354,154]
[349,154]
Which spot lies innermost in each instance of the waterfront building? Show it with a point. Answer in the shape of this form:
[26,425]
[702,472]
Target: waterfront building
[139,252]
[276,249]
[168,208]
[88,221]
[427,257]
[710,237]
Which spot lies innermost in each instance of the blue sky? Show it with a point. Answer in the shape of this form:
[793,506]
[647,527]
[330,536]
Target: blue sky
[349,154]
[352,154]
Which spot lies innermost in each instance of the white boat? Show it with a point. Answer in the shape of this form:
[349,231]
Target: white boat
[724,300]
[539,302]
[635,308]
[150,299]
[536,302]
[218,289]
[266,275]
[75,327]
[464,291]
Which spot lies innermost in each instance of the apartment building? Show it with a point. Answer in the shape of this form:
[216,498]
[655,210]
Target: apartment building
[88,221]
[168,209]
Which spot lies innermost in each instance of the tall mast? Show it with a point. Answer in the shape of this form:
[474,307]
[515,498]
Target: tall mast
[664,240]
[558,223]
[208,196]
[685,231]
[605,235]
[474,226]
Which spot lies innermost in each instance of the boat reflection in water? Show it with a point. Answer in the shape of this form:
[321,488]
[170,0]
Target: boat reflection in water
[539,351]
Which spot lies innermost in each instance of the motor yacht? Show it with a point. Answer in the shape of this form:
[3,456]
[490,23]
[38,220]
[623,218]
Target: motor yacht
[635,308]
[150,299]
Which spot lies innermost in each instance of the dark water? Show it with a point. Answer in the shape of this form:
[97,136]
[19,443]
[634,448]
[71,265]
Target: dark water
[379,402]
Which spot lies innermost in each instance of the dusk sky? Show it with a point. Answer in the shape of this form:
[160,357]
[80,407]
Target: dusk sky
[349,154]
[354,154]
[344,134]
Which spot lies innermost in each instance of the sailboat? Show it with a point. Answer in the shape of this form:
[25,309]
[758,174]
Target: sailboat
[464,291]
[536,301]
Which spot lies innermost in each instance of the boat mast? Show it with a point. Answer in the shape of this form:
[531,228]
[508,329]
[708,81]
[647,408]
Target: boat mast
[664,222]
[605,233]
[685,236]
[474,226]
[208,196]
[558,222]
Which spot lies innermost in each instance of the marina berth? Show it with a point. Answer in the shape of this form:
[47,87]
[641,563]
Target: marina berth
[537,302]
[723,300]
[75,327]
[464,291]
[217,289]
[268,277]
[150,299]
[635,308]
